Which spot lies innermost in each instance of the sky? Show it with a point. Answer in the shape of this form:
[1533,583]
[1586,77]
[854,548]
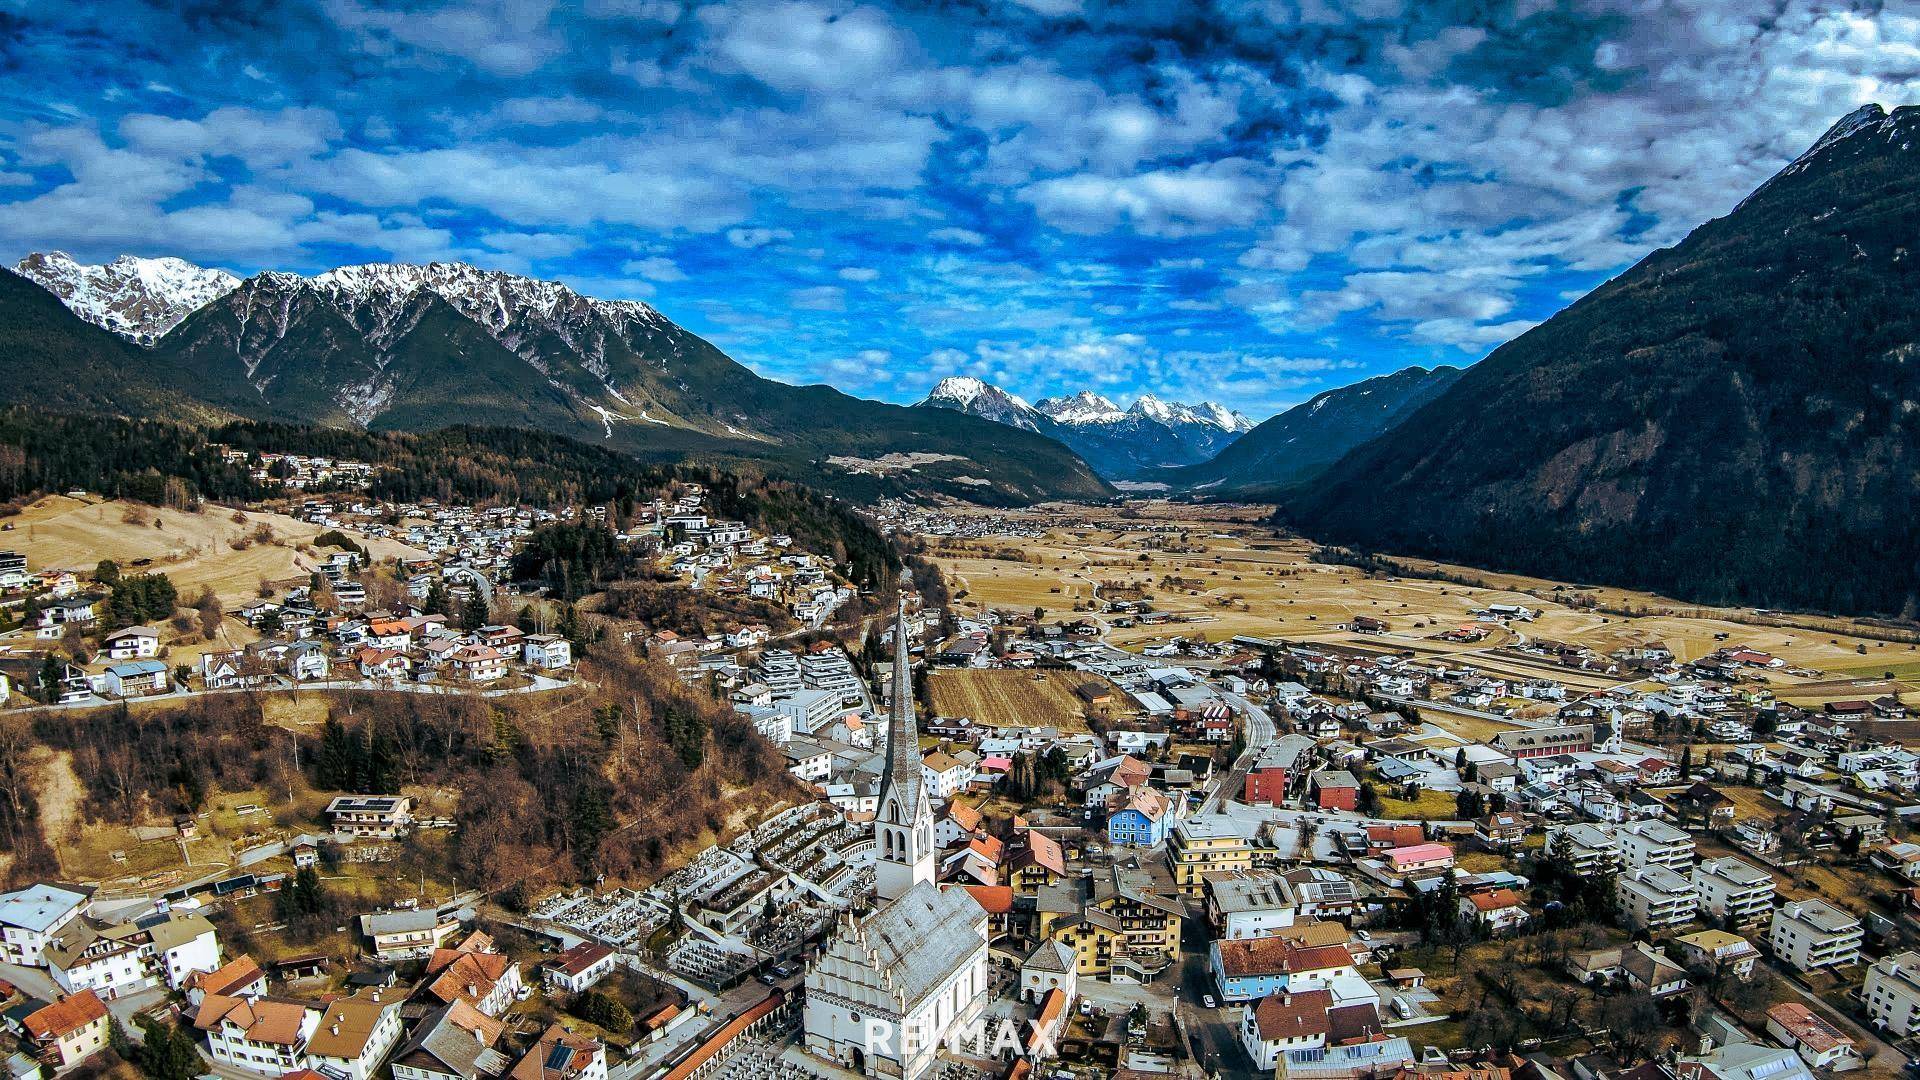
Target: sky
[1242,201]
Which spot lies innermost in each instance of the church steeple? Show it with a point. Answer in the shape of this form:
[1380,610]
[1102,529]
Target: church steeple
[903,826]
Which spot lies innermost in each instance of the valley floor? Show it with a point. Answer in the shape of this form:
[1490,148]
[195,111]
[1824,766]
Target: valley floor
[1216,571]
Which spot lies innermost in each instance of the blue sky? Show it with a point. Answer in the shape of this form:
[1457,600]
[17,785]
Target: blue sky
[1243,201]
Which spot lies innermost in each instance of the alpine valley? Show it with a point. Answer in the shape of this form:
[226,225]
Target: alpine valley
[395,347]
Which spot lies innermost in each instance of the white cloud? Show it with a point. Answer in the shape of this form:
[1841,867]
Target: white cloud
[858,273]
[654,268]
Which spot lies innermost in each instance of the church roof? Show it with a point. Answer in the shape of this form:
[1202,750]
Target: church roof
[920,939]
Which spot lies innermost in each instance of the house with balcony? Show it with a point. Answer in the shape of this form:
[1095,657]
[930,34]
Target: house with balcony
[1654,843]
[1717,950]
[1656,897]
[1813,935]
[1892,993]
[371,817]
[1734,890]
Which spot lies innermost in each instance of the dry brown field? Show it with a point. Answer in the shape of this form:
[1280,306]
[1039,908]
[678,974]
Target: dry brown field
[194,550]
[1219,571]
[1012,697]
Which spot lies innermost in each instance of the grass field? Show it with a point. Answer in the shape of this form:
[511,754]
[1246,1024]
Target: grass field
[1011,698]
[195,550]
[1218,571]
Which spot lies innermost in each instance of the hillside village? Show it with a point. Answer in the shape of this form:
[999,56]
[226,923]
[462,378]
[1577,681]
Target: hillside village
[450,614]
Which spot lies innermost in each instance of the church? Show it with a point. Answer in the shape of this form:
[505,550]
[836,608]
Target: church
[890,987]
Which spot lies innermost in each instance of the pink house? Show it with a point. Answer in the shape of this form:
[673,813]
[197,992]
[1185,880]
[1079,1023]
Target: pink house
[1409,860]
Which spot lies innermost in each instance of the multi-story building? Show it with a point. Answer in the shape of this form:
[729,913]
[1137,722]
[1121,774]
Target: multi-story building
[258,1035]
[1276,769]
[1813,935]
[1113,921]
[1720,951]
[1654,843]
[1656,896]
[115,960]
[1734,890]
[30,917]
[354,1036]
[1589,850]
[371,817]
[1892,993]
[1208,844]
[1249,903]
[68,1031]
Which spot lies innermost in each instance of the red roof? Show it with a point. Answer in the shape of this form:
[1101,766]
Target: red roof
[66,1016]
[994,899]
[718,1041]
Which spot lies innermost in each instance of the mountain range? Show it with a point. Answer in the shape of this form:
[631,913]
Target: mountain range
[1303,441]
[1735,418]
[406,348]
[1128,444]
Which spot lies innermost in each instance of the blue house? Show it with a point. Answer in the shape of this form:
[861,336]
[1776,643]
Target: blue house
[1248,969]
[1141,821]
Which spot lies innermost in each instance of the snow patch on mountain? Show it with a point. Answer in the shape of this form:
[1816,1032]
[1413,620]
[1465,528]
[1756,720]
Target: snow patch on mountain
[139,299]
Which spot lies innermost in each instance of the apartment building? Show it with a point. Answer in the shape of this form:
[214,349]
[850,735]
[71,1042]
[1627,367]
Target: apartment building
[1249,904]
[1590,850]
[1813,935]
[1654,843]
[1734,889]
[1892,993]
[1210,844]
[1656,896]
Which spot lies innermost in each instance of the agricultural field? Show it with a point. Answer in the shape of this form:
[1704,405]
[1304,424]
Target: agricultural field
[1011,697]
[229,551]
[1219,571]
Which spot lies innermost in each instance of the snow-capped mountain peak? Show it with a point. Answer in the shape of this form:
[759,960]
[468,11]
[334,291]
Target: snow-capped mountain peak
[983,399]
[139,299]
[1085,407]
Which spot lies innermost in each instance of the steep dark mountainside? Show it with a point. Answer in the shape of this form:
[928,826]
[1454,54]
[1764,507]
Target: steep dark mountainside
[1303,441]
[412,348]
[1136,443]
[1736,418]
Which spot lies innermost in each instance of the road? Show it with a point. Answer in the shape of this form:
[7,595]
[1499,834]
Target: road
[1883,1055]
[538,684]
[1260,732]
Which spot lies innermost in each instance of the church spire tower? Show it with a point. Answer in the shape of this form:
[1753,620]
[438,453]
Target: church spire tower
[903,825]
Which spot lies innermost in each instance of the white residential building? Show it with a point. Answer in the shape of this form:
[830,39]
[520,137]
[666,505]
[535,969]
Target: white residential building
[1656,896]
[1892,993]
[1734,889]
[1249,903]
[1588,848]
[1654,843]
[354,1036]
[1813,935]
[29,917]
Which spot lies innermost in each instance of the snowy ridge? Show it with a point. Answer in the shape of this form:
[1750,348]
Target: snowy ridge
[985,400]
[1085,407]
[139,299]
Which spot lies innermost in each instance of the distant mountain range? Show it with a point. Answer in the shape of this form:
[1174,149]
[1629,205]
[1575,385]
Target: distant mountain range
[402,347]
[1135,443]
[1304,441]
[1736,418]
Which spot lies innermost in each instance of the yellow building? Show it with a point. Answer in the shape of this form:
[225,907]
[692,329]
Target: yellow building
[1112,921]
[1209,844]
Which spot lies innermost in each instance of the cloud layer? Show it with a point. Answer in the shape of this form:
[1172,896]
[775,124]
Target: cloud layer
[1249,200]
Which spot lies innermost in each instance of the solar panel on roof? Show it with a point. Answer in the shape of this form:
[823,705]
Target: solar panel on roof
[559,1057]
